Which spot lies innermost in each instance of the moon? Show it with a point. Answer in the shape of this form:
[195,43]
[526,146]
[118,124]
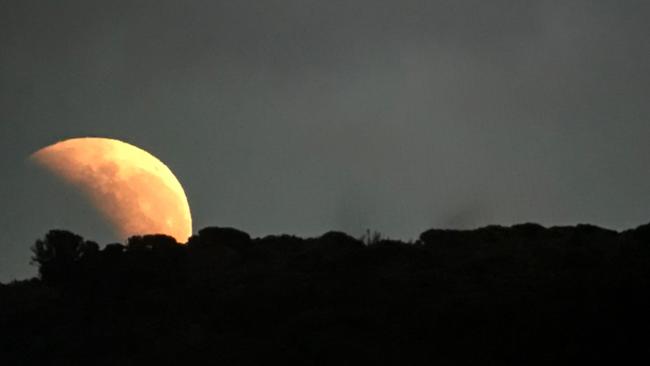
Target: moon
[137,193]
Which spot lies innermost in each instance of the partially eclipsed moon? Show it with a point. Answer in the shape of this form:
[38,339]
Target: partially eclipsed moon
[134,190]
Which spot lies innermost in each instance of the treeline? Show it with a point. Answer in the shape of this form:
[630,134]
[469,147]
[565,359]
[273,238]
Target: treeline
[500,295]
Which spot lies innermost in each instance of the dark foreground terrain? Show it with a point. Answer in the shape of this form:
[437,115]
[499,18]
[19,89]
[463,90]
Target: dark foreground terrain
[520,295]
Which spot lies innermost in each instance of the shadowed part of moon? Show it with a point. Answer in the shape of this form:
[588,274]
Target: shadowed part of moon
[130,187]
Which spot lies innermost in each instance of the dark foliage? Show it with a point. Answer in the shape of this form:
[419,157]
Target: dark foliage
[60,254]
[519,295]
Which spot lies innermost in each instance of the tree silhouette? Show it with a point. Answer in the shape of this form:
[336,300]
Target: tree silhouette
[524,294]
[156,242]
[58,255]
[219,236]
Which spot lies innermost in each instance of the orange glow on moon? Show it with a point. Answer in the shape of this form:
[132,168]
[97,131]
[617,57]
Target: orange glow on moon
[134,190]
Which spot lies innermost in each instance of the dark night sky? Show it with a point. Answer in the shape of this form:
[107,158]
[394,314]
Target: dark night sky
[305,116]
